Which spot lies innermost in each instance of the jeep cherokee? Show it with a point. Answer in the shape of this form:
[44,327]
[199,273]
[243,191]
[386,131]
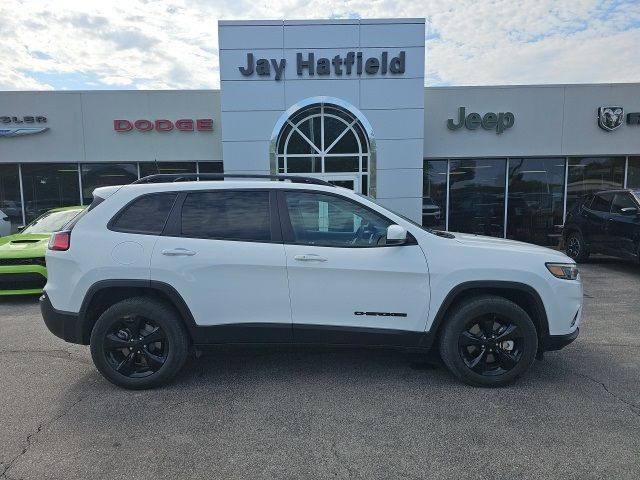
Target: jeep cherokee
[156,268]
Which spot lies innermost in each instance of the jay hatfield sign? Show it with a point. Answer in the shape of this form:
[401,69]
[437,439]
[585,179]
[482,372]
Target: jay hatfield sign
[163,125]
[352,63]
[18,126]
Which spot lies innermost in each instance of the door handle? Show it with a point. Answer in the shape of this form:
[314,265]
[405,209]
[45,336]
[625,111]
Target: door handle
[310,257]
[178,252]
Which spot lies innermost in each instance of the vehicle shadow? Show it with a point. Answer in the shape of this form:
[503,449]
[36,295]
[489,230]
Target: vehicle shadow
[19,299]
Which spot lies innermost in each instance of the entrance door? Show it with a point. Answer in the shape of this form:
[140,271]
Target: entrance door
[352,182]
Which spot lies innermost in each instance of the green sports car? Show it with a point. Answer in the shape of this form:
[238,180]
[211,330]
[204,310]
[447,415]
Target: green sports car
[22,267]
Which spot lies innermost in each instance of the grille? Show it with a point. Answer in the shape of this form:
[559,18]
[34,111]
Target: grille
[22,261]
[21,281]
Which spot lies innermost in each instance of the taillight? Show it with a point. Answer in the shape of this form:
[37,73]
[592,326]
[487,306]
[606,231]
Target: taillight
[60,241]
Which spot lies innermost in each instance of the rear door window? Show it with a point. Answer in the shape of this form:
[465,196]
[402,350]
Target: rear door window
[146,215]
[227,215]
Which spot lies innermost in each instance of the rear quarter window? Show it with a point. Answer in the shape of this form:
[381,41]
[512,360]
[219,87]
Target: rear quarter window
[146,215]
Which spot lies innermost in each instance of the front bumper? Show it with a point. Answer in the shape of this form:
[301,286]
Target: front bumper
[22,279]
[557,342]
[65,325]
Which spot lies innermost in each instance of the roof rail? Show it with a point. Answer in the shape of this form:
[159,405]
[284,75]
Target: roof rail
[177,177]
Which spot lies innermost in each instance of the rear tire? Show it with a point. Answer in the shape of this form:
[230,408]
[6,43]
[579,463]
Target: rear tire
[139,343]
[488,341]
[576,247]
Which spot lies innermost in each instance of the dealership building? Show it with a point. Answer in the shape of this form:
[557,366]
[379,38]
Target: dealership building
[342,100]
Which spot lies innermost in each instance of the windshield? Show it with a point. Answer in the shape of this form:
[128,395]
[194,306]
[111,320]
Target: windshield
[51,221]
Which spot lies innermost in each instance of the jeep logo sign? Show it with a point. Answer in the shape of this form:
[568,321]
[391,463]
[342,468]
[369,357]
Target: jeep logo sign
[489,121]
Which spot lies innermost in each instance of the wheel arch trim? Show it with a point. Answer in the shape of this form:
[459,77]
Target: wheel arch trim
[455,292]
[170,292]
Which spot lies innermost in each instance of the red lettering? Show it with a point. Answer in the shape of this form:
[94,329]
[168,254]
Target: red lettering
[164,125]
[143,125]
[204,124]
[184,125]
[122,125]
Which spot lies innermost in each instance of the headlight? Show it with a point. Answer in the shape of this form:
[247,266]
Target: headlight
[566,271]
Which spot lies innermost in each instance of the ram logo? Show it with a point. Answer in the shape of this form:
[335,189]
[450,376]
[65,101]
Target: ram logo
[21,131]
[610,118]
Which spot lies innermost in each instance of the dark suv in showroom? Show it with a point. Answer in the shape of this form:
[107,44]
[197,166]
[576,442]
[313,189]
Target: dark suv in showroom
[606,222]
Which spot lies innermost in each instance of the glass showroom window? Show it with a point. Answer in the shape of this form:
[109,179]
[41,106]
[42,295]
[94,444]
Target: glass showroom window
[536,199]
[476,196]
[590,174]
[434,194]
[325,139]
[48,186]
[10,201]
[151,168]
[210,167]
[633,174]
[96,175]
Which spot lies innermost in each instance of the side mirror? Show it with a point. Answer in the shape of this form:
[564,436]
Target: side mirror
[396,235]
[21,227]
[630,211]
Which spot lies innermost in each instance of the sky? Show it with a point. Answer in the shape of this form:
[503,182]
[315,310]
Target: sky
[173,44]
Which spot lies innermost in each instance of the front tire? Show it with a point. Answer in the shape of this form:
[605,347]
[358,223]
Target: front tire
[488,341]
[139,343]
[576,247]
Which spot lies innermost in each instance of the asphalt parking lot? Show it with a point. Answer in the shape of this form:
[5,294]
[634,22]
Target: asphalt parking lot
[329,413]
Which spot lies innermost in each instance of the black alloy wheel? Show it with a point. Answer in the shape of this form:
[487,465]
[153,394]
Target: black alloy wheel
[573,246]
[139,343]
[491,345]
[576,248]
[488,341]
[136,347]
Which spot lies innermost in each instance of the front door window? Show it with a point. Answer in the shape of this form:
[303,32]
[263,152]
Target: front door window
[330,221]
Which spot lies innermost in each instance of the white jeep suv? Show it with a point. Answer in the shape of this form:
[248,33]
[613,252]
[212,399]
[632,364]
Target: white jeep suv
[156,268]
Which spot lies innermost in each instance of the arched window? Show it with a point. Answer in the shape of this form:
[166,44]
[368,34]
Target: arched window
[327,140]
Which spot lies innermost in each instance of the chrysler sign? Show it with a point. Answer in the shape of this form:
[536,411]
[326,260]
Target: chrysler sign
[19,126]
[164,125]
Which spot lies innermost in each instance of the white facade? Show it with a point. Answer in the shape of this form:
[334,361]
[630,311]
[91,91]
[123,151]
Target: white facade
[549,120]
[389,105]
[81,126]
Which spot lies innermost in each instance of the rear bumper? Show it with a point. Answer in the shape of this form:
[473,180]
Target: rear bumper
[557,342]
[65,325]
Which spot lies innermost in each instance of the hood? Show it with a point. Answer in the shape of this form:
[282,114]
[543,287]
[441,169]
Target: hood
[24,245]
[495,243]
